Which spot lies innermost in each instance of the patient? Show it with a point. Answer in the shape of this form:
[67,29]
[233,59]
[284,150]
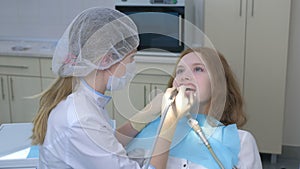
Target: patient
[219,111]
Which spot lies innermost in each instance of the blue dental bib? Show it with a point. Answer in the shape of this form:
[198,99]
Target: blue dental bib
[186,144]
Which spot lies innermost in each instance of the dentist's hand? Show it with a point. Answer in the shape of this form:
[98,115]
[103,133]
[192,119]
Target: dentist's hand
[179,108]
[148,114]
[182,103]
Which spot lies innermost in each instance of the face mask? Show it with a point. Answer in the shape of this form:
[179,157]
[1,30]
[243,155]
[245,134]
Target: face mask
[118,83]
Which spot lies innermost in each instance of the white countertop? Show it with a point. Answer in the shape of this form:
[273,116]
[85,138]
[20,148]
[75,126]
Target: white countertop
[45,49]
[30,48]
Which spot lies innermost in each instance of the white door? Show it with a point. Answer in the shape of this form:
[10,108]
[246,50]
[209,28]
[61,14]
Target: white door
[265,70]
[225,22]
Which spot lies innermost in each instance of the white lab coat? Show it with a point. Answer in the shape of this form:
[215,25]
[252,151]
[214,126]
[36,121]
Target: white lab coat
[80,135]
[249,157]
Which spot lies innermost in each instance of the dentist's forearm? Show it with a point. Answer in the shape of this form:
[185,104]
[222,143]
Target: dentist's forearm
[162,147]
[126,133]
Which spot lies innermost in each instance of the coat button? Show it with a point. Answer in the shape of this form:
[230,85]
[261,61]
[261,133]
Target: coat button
[184,165]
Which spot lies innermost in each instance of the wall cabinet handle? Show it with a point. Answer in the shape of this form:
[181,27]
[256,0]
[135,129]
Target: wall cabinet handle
[145,92]
[2,88]
[15,66]
[252,10]
[155,90]
[12,89]
[241,8]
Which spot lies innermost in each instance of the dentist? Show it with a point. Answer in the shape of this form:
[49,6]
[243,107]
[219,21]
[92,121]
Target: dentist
[72,126]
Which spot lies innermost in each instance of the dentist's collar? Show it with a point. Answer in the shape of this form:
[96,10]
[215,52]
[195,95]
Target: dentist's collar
[102,99]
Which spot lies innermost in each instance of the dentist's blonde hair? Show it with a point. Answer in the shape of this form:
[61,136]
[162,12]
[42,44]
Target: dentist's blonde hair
[59,90]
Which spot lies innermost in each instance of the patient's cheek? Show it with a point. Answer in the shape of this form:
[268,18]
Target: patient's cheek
[175,83]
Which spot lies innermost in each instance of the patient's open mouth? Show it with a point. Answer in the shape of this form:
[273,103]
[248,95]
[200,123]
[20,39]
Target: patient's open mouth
[190,89]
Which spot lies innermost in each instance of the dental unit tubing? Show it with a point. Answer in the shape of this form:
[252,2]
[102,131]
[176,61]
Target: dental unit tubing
[162,119]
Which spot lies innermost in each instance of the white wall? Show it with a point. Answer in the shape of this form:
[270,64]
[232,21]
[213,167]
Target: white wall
[291,136]
[37,19]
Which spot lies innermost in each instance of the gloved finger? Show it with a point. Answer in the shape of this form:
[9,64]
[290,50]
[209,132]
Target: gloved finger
[180,96]
[187,100]
[192,98]
[182,102]
[169,92]
[166,97]
[181,92]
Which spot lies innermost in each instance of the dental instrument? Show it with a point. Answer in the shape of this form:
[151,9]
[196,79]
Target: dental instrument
[196,127]
[163,116]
